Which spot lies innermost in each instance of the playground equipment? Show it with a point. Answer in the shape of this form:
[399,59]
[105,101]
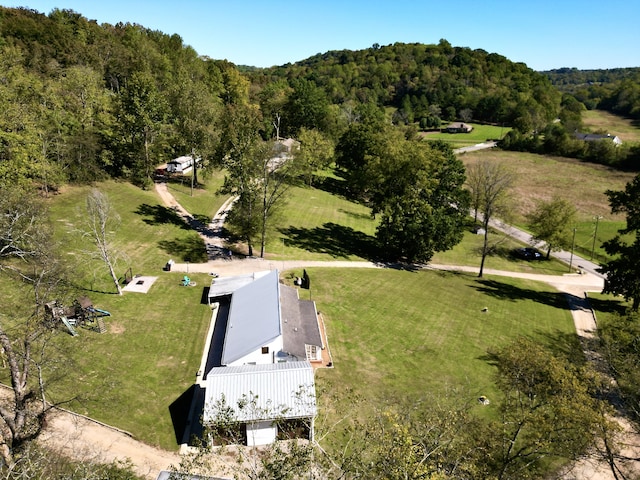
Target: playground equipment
[187,282]
[81,313]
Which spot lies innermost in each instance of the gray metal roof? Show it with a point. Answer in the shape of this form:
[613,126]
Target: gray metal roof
[281,390]
[254,318]
[167,475]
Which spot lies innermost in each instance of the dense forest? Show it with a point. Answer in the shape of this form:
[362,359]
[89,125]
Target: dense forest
[81,101]
[616,90]
[426,81]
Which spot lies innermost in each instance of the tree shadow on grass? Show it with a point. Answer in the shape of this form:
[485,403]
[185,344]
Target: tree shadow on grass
[161,215]
[189,249]
[505,291]
[332,185]
[564,344]
[333,239]
[609,305]
[357,216]
[561,344]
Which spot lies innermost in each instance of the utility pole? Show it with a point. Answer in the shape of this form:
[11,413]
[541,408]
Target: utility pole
[193,169]
[595,234]
[573,244]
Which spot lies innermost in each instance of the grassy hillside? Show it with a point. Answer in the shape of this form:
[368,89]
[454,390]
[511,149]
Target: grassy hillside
[624,128]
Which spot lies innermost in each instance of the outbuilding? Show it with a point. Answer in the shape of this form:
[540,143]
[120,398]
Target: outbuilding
[182,165]
[262,399]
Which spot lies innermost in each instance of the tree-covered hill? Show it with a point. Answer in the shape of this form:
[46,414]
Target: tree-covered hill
[79,100]
[429,80]
[616,90]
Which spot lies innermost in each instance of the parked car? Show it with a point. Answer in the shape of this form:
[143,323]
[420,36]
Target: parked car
[528,253]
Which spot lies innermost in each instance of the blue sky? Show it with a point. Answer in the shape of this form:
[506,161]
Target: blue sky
[544,34]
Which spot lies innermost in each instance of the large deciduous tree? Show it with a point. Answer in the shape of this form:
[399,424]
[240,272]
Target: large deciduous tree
[549,410]
[315,152]
[256,174]
[551,223]
[141,118]
[101,221]
[623,271]
[421,200]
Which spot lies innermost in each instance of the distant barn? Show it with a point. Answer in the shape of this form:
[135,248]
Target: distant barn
[459,128]
[594,137]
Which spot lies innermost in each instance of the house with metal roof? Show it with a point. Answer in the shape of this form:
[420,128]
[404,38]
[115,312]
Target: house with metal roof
[265,321]
[263,342]
[459,127]
[262,399]
[594,137]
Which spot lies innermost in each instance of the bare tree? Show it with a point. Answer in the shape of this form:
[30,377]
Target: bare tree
[101,222]
[25,256]
[489,183]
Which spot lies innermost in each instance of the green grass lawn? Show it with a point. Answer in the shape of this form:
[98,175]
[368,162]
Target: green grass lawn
[393,334]
[402,335]
[205,200]
[131,375]
[479,134]
[317,225]
[400,331]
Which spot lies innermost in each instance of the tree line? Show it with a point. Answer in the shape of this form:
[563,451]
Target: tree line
[616,91]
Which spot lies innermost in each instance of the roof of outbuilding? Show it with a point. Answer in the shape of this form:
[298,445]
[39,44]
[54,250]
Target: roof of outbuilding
[269,391]
[254,317]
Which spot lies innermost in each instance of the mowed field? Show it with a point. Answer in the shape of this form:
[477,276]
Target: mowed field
[479,134]
[402,337]
[627,130]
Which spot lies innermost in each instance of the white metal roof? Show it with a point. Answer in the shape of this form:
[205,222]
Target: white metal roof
[254,317]
[222,286]
[275,390]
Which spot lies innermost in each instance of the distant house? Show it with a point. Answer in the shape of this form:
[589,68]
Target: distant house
[459,127]
[264,344]
[182,165]
[594,137]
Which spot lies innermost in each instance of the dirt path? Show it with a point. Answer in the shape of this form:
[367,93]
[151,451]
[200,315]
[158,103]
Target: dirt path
[84,439]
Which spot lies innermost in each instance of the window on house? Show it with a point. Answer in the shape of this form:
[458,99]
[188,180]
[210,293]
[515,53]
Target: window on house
[265,350]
